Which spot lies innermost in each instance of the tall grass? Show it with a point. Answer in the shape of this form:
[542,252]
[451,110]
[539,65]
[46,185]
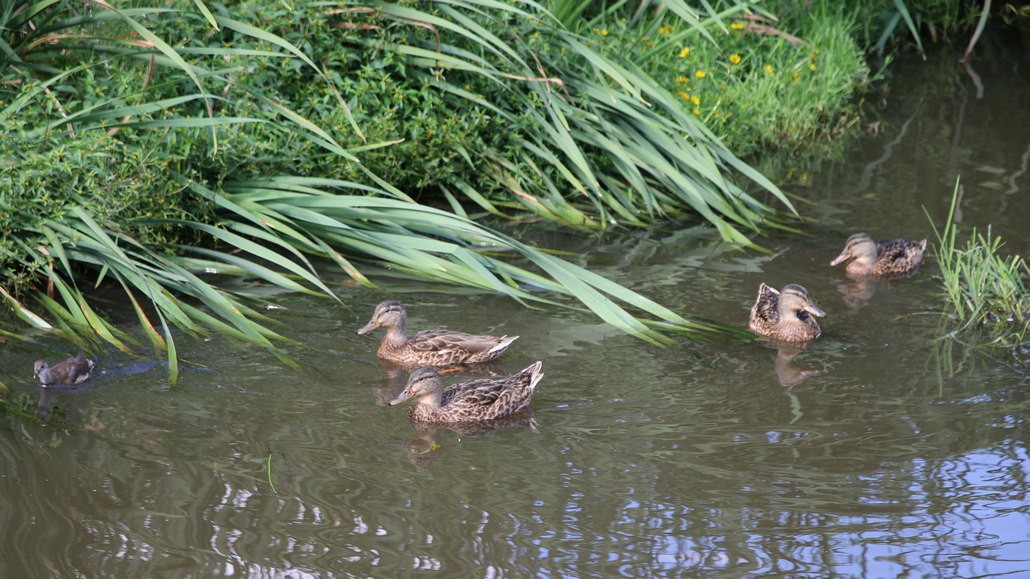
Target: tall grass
[984,289]
[234,115]
[599,144]
[597,141]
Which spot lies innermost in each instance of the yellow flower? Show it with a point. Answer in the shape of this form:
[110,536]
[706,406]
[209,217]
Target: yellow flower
[665,30]
[604,32]
[735,58]
[737,26]
[700,74]
[683,95]
[696,100]
[811,67]
[696,111]
[685,52]
[682,79]
[768,69]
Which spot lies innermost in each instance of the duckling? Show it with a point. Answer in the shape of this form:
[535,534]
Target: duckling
[889,259]
[785,315]
[472,401]
[430,347]
[74,370]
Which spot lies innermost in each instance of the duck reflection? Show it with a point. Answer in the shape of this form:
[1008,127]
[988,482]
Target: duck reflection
[858,291]
[788,372]
[45,406]
[48,398]
[424,450]
[49,413]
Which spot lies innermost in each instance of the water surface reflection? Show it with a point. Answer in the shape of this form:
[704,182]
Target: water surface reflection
[870,453]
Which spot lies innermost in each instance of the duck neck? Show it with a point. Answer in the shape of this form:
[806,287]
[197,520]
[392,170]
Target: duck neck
[428,407]
[396,336]
[432,400]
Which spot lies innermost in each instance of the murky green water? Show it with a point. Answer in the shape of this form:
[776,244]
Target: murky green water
[876,452]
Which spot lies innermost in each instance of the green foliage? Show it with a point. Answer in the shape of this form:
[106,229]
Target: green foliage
[106,166]
[119,181]
[761,85]
[984,289]
[589,140]
[888,24]
[590,144]
[149,145]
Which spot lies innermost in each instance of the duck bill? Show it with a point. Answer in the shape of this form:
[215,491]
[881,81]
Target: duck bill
[402,397]
[840,258]
[812,309]
[369,327]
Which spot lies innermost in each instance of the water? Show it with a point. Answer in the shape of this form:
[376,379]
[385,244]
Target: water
[876,452]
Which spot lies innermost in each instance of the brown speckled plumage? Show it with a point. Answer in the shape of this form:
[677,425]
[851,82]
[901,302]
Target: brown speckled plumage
[74,370]
[889,259]
[471,401]
[430,347]
[785,315]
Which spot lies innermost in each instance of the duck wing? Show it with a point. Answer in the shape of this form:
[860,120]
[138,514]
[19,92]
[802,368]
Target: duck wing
[456,347]
[74,370]
[766,308]
[472,400]
[487,399]
[899,255]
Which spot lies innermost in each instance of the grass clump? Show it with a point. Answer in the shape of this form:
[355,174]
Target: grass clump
[761,83]
[984,289]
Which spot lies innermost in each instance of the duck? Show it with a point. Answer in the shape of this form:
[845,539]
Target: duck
[888,259]
[74,370]
[472,401]
[430,347]
[785,315]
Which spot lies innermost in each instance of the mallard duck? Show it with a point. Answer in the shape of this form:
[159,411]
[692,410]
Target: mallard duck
[472,401]
[894,258]
[785,315]
[430,347]
[74,370]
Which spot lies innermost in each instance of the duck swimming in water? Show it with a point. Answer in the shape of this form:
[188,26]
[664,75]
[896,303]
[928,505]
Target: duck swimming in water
[74,370]
[430,347]
[888,259]
[785,315]
[472,401]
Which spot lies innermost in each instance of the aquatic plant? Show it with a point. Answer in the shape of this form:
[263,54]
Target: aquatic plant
[984,289]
